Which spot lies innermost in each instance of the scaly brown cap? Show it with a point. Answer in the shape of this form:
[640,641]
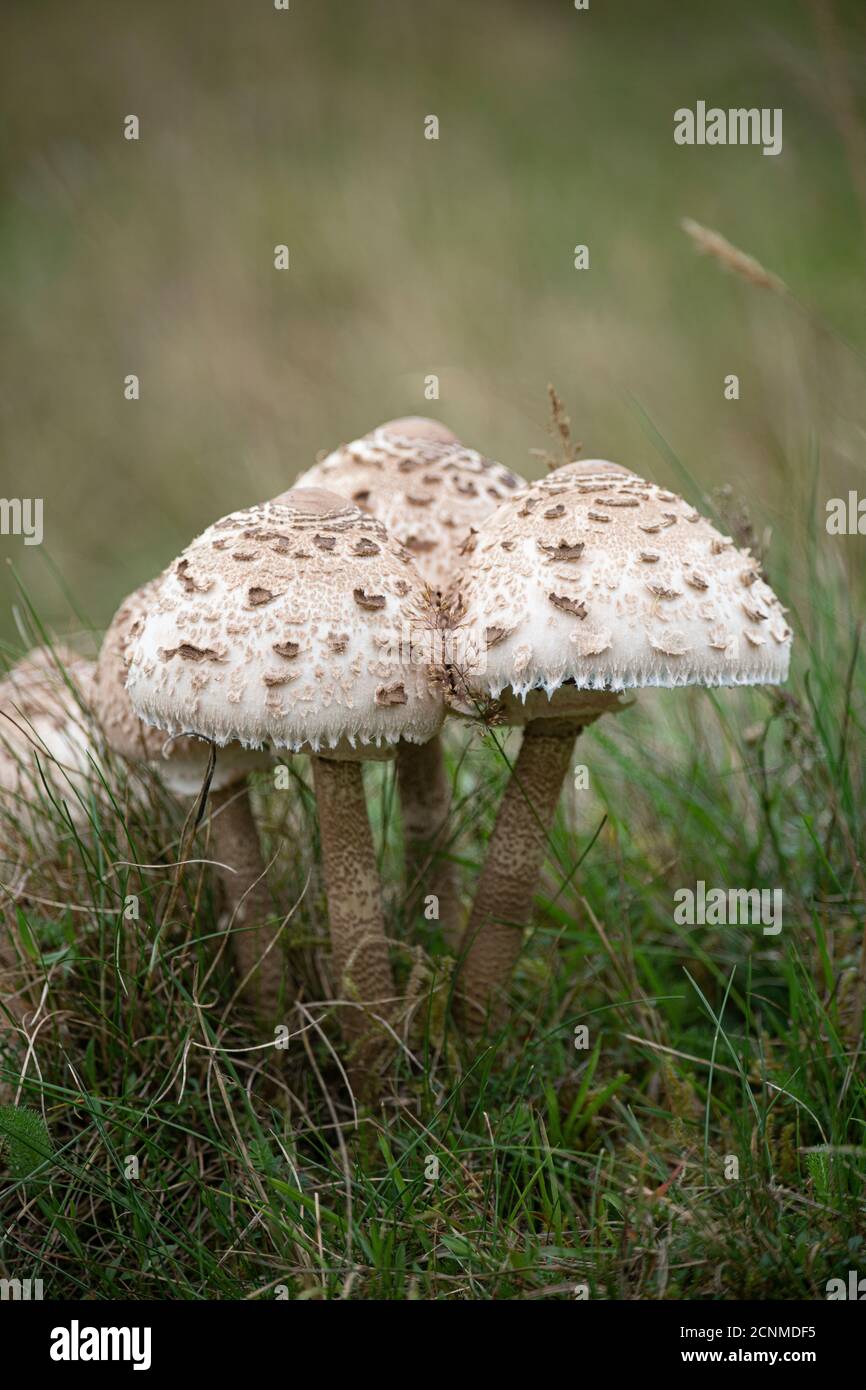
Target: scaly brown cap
[288,624]
[595,579]
[427,488]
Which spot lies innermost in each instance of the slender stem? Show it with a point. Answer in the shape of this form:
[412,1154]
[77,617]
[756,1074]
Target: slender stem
[361,970]
[425,797]
[20,997]
[515,855]
[259,959]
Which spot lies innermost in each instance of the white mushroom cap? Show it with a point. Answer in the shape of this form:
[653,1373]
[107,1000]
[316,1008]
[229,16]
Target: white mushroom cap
[42,721]
[426,487]
[181,762]
[596,578]
[412,427]
[288,624]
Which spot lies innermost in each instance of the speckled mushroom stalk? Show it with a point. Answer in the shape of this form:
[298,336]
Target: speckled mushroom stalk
[516,853]
[588,583]
[360,967]
[284,625]
[430,491]
[234,839]
[512,867]
[425,797]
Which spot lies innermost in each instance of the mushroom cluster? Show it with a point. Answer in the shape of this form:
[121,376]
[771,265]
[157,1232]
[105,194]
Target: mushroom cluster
[431,493]
[404,578]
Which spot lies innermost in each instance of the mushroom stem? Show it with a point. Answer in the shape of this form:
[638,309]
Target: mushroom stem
[361,970]
[236,848]
[515,854]
[425,798]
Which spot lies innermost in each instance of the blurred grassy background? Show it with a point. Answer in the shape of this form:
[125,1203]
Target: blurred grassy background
[409,256]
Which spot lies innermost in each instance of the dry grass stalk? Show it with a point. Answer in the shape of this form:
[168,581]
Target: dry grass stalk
[560,424]
[730,257]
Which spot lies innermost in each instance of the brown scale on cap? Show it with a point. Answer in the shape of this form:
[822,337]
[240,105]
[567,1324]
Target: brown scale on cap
[427,488]
[210,655]
[535,567]
[182,762]
[123,729]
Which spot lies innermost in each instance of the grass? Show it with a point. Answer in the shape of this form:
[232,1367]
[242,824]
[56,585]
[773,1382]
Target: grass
[704,1140]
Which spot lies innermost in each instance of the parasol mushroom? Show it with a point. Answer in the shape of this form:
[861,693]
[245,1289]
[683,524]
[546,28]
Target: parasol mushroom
[588,583]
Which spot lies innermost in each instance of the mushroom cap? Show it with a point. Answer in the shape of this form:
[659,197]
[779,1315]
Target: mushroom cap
[182,762]
[41,718]
[593,579]
[426,487]
[289,624]
[419,427]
